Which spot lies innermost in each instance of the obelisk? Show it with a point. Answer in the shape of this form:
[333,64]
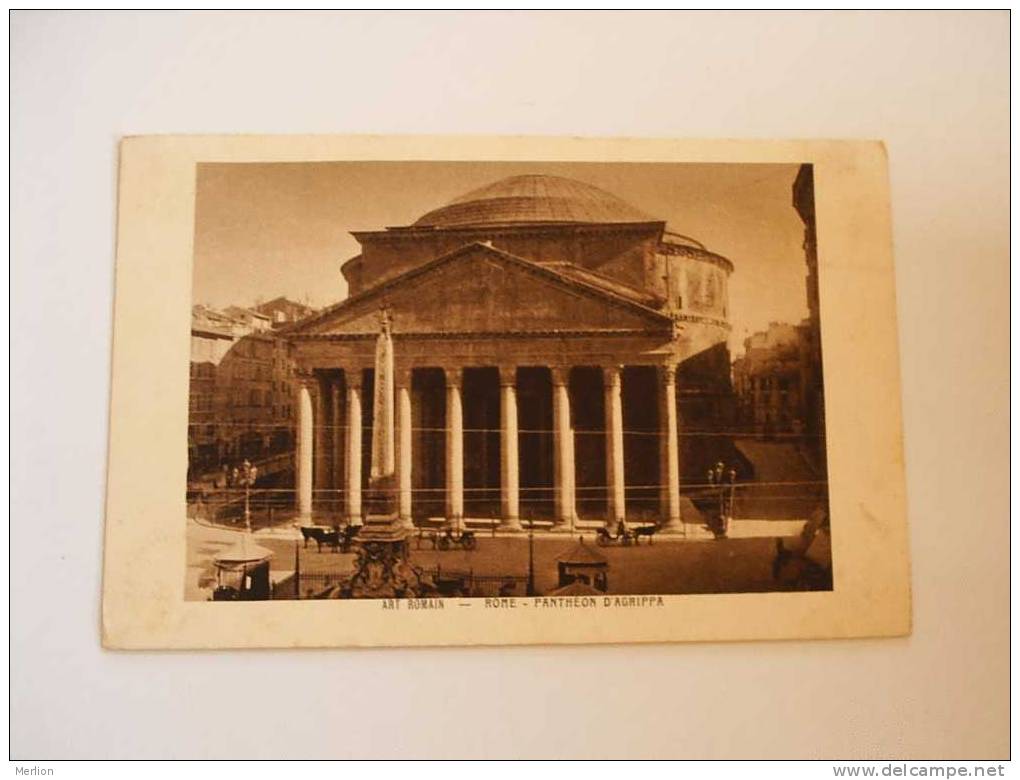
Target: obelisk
[383,460]
[382,480]
[381,567]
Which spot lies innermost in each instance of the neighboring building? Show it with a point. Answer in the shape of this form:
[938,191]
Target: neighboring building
[212,335]
[283,311]
[778,380]
[250,320]
[547,336]
[811,360]
[254,398]
[768,380]
[242,390]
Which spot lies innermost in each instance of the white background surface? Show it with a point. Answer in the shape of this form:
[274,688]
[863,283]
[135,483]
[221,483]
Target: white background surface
[933,86]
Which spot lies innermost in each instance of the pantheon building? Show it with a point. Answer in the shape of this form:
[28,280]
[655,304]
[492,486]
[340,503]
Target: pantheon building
[560,358]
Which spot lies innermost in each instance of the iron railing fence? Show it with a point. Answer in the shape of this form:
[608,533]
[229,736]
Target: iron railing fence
[736,501]
[447,582]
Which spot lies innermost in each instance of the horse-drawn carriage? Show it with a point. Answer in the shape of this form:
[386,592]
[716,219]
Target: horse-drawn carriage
[625,535]
[340,539]
[447,537]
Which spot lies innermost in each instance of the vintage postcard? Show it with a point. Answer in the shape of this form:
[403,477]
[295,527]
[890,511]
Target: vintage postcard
[428,391]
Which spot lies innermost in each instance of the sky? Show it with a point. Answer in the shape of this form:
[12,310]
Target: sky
[265,230]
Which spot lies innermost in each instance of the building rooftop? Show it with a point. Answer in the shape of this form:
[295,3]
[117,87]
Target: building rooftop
[534,199]
[576,588]
[581,553]
[244,551]
[604,282]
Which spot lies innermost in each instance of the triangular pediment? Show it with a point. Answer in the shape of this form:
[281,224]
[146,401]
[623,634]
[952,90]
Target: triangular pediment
[479,289]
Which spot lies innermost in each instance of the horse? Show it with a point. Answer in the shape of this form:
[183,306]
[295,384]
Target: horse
[328,536]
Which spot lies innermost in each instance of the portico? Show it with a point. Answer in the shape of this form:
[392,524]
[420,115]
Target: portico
[465,447]
[540,331]
[551,490]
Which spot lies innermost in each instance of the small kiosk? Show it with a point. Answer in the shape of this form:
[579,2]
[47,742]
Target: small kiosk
[242,572]
[575,589]
[585,565]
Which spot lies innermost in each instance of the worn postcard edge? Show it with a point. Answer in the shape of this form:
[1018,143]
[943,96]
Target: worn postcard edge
[143,598]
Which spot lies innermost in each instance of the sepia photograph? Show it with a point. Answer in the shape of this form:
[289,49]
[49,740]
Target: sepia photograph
[456,391]
[574,382]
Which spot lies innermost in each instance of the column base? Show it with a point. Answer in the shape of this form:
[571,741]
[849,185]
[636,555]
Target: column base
[614,522]
[407,523]
[455,522]
[561,527]
[510,525]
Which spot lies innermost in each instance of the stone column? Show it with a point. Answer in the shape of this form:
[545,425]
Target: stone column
[354,447]
[321,390]
[454,446]
[403,381]
[563,446]
[672,521]
[337,480]
[616,508]
[305,446]
[508,457]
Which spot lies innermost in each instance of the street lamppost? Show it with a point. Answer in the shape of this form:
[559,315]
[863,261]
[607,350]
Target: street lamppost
[726,483]
[733,489]
[249,474]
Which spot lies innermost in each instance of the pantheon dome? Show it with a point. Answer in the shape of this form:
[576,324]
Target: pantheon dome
[571,226]
[533,199]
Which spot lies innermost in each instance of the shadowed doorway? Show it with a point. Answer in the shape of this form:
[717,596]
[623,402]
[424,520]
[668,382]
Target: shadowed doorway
[481,442]
[588,410]
[535,419]
[428,443]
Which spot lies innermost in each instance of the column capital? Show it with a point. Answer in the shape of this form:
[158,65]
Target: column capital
[508,376]
[667,373]
[611,374]
[560,374]
[454,376]
[305,377]
[403,377]
[353,378]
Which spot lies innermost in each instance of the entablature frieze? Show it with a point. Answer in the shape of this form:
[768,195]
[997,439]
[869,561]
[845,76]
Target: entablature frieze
[354,356]
[504,335]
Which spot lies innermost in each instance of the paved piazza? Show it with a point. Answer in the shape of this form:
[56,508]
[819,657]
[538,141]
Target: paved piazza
[664,567]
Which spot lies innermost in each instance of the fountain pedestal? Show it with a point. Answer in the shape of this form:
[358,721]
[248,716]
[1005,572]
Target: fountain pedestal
[381,566]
